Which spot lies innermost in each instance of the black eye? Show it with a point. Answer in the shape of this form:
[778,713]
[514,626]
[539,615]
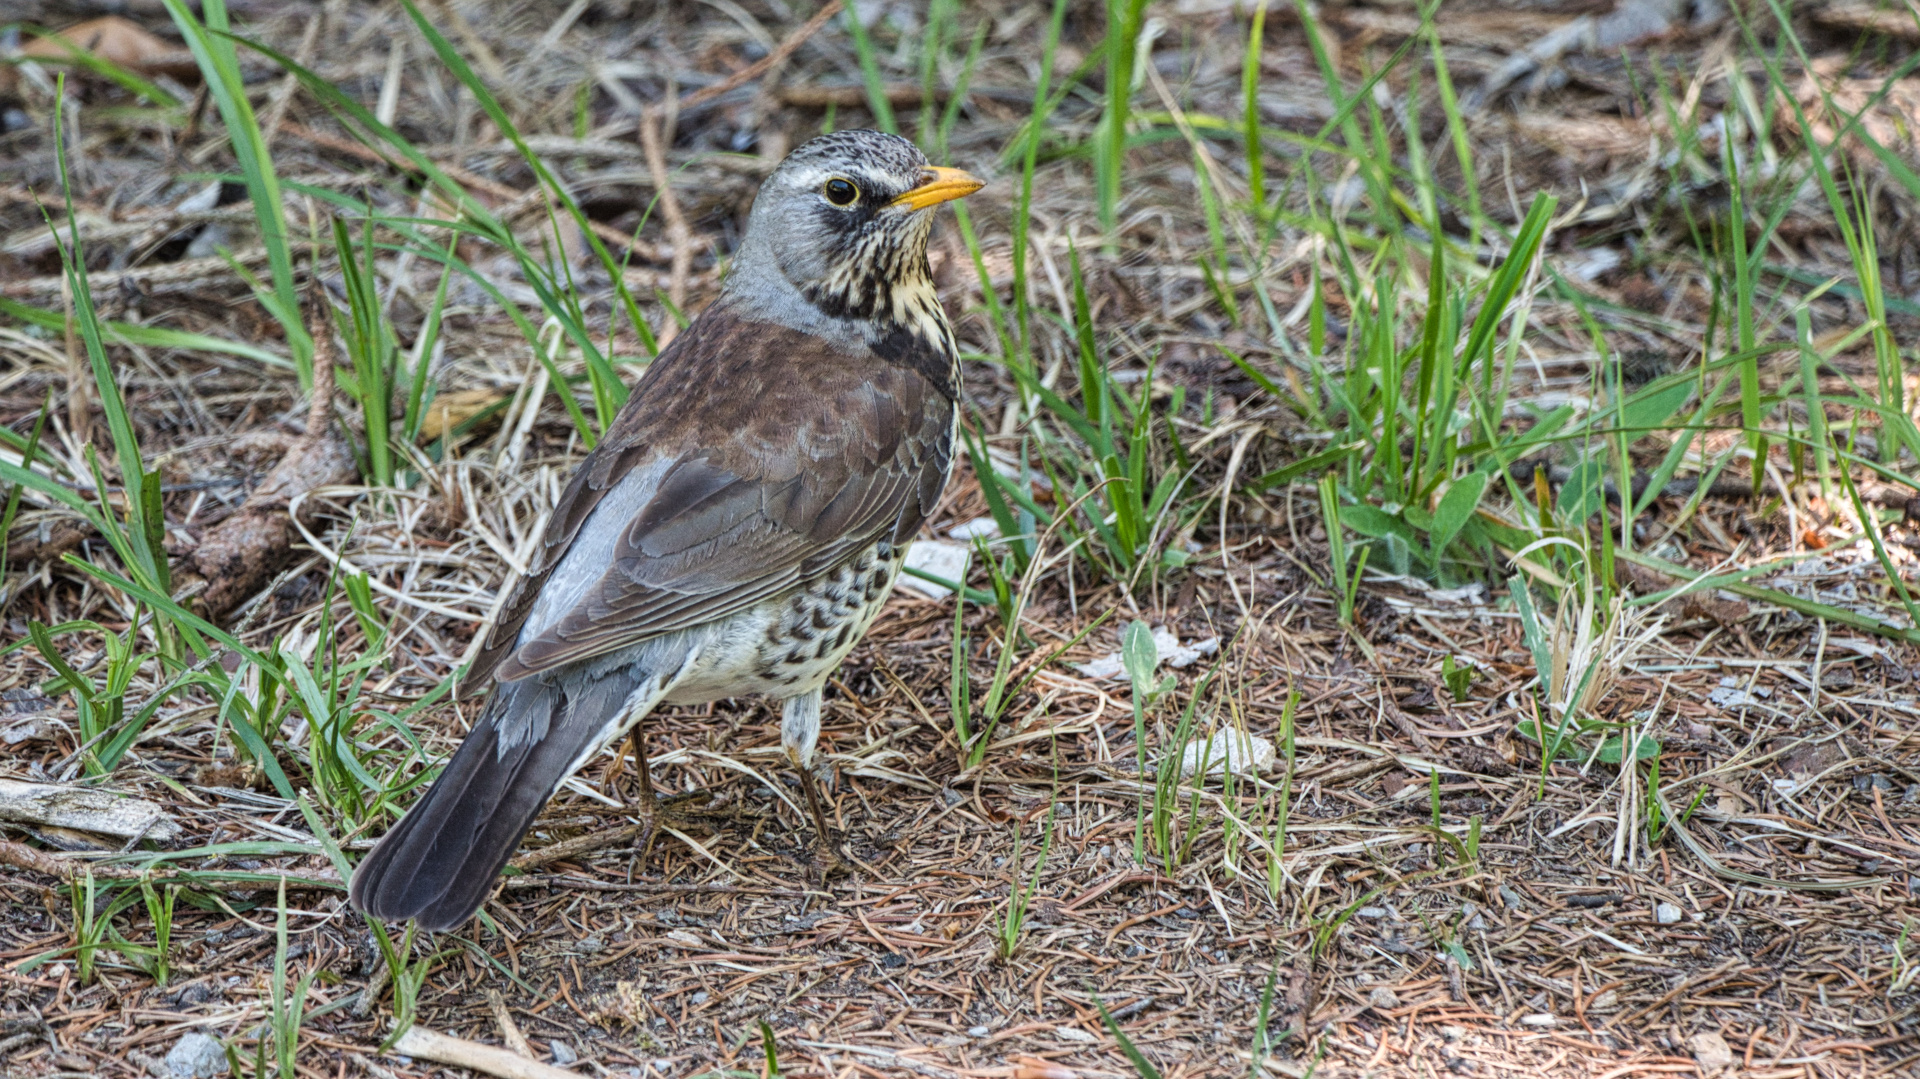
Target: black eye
[840,192]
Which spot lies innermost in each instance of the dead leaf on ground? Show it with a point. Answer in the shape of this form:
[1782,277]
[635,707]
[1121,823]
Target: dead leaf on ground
[118,41]
[447,411]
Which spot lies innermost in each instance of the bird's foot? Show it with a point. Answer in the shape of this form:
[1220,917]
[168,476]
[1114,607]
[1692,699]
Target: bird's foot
[826,855]
[674,811]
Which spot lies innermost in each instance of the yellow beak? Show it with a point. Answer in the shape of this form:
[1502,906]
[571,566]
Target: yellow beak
[940,185]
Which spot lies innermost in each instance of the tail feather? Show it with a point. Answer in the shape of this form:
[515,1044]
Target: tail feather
[439,863]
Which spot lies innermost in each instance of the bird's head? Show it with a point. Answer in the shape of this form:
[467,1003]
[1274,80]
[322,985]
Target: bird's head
[842,226]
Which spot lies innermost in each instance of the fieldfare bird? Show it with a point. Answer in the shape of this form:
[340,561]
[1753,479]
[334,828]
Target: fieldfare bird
[734,532]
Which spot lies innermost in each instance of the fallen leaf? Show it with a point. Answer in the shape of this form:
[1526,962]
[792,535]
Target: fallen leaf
[449,410]
[118,41]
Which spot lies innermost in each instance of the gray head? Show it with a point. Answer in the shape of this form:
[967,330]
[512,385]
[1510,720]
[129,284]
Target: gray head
[839,232]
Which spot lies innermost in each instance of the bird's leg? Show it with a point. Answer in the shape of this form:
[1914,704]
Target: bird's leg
[651,809]
[799,734]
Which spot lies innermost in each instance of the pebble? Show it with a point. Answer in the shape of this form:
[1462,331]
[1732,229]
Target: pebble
[1539,1019]
[1371,912]
[1383,999]
[1511,898]
[977,1032]
[1228,751]
[1453,1033]
[1666,914]
[563,1053]
[700,997]
[1711,1052]
[197,1056]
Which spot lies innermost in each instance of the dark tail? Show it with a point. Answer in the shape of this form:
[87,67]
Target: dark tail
[438,864]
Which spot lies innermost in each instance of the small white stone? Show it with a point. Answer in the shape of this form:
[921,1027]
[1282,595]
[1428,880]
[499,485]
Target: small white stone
[1073,1034]
[1168,652]
[1667,914]
[1539,1019]
[197,1056]
[979,526]
[947,561]
[1227,751]
[1383,999]
[1107,666]
[977,1032]
[1711,1052]
[563,1053]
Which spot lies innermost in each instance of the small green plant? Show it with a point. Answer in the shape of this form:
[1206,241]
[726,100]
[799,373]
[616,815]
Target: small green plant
[1140,657]
[1020,897]
[100,707]
[1904,969]
[1097,454]
[973,727]
[1579,657]
[1262,1018]
[1282,799]
[287,1006]
[1173,840]
[376,375]
[1141,1065]
[1457,677]
[159,901]
[89,925]
[767,1047]
[1346,587]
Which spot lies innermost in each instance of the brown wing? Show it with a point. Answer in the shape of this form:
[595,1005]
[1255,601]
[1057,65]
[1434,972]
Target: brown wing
[782,459]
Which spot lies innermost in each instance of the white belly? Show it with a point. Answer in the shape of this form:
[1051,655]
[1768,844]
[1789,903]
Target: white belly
[790,646]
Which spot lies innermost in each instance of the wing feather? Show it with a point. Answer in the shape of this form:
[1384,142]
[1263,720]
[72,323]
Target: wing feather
[779,461]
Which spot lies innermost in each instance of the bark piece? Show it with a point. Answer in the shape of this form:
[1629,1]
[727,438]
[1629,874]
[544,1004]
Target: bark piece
[84,809]
[243,552]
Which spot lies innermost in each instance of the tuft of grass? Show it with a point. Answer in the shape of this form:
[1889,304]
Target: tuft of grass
[159,901]
[209,36]
[1020,897]
[286,1004]
[1140,658]
[1282,800]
